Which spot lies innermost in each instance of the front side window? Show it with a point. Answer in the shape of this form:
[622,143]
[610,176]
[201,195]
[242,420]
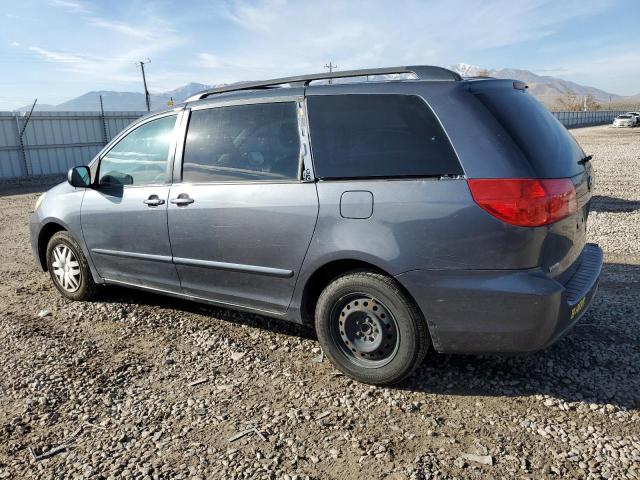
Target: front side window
[242,143]
[140,158]
[374,136]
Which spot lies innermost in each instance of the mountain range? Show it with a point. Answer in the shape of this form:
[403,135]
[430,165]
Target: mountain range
[121,101]
[546,88]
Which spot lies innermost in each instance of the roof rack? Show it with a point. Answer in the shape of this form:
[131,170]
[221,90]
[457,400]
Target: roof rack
[422,72]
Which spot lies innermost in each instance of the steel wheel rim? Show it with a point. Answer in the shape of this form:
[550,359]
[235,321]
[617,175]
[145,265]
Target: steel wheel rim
[365,330]
[66,268]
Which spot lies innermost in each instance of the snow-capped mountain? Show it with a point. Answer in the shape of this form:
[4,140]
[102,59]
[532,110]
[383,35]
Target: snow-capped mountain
[466,70]
[546,88]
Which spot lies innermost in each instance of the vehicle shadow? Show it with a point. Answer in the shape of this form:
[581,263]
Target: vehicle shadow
[597,362]
[602,203]
[29,185]
[121,295]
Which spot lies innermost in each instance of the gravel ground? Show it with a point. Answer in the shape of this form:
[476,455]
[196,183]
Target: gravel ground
[140,386]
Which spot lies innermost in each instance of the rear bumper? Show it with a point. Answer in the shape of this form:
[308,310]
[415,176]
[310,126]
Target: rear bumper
[502,311]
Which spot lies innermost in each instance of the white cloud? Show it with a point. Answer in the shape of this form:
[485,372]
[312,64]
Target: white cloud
[234,40]
[15,44]
[612,66]
[256,17]
[134,31]
[281,37]
[118,68]
[209,60]
[76,6]
[57,57]
[128,44]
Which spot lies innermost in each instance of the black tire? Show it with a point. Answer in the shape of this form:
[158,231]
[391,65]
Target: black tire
[370,329]
[86,287]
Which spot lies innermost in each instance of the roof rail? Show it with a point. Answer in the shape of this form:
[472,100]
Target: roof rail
[422,72]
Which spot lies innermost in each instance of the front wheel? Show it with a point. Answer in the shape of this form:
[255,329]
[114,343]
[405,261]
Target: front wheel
[68,267]
[370,329]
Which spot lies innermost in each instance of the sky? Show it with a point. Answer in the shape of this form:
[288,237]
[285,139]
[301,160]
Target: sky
[58,49]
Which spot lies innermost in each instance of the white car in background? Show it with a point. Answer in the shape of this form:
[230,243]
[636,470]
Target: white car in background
[624,120]
[636,116]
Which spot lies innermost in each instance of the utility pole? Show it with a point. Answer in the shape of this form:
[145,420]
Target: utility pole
[331,67]
[147,99]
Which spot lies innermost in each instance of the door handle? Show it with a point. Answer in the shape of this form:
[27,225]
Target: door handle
[153,201]
[182,200]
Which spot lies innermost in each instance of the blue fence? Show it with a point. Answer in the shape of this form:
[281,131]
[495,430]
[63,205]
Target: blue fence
[585,119]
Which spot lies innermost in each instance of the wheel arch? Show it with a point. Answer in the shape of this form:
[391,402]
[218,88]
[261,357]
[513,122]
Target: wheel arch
[46,232]
[323,275]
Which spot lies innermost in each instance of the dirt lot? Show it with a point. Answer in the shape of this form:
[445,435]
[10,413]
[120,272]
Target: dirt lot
[112,381]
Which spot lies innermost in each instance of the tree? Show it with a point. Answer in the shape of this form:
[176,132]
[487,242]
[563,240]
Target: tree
[570,102]
[591,103]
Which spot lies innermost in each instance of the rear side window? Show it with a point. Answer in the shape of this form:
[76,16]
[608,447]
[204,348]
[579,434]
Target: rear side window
[545,142]
[368,136]
[242,143]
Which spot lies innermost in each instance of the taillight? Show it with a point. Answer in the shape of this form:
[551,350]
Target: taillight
[525,202]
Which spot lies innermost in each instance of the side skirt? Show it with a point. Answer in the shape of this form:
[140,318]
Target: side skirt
[194,298]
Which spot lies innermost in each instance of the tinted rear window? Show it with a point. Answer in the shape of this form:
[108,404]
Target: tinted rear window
[545,142]
[364,136]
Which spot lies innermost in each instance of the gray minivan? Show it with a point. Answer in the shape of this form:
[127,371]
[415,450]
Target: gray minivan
[400,210]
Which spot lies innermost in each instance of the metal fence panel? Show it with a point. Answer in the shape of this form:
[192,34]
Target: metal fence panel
[11,164]
[585,119]
[53,142]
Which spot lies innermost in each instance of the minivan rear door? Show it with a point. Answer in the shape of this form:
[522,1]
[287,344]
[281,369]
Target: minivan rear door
[240,214]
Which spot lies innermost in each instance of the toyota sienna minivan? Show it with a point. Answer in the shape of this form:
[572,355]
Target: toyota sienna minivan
[397,210]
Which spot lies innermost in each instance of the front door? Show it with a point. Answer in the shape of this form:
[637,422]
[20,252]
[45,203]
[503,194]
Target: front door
[241,220]
[124,215]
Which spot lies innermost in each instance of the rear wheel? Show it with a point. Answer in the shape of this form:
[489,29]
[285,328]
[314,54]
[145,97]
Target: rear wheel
[370,329]
[68,267]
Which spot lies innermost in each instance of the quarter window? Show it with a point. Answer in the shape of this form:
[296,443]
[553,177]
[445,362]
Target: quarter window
[140,158]
[369,136]
[242,143]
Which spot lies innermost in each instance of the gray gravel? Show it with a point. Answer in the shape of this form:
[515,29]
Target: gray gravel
[140,386]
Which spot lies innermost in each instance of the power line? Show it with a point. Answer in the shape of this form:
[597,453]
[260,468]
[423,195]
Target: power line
[147,98]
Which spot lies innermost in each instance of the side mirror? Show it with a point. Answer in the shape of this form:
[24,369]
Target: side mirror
[79,177]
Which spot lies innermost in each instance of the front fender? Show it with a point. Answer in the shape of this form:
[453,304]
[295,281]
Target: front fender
[60,209]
